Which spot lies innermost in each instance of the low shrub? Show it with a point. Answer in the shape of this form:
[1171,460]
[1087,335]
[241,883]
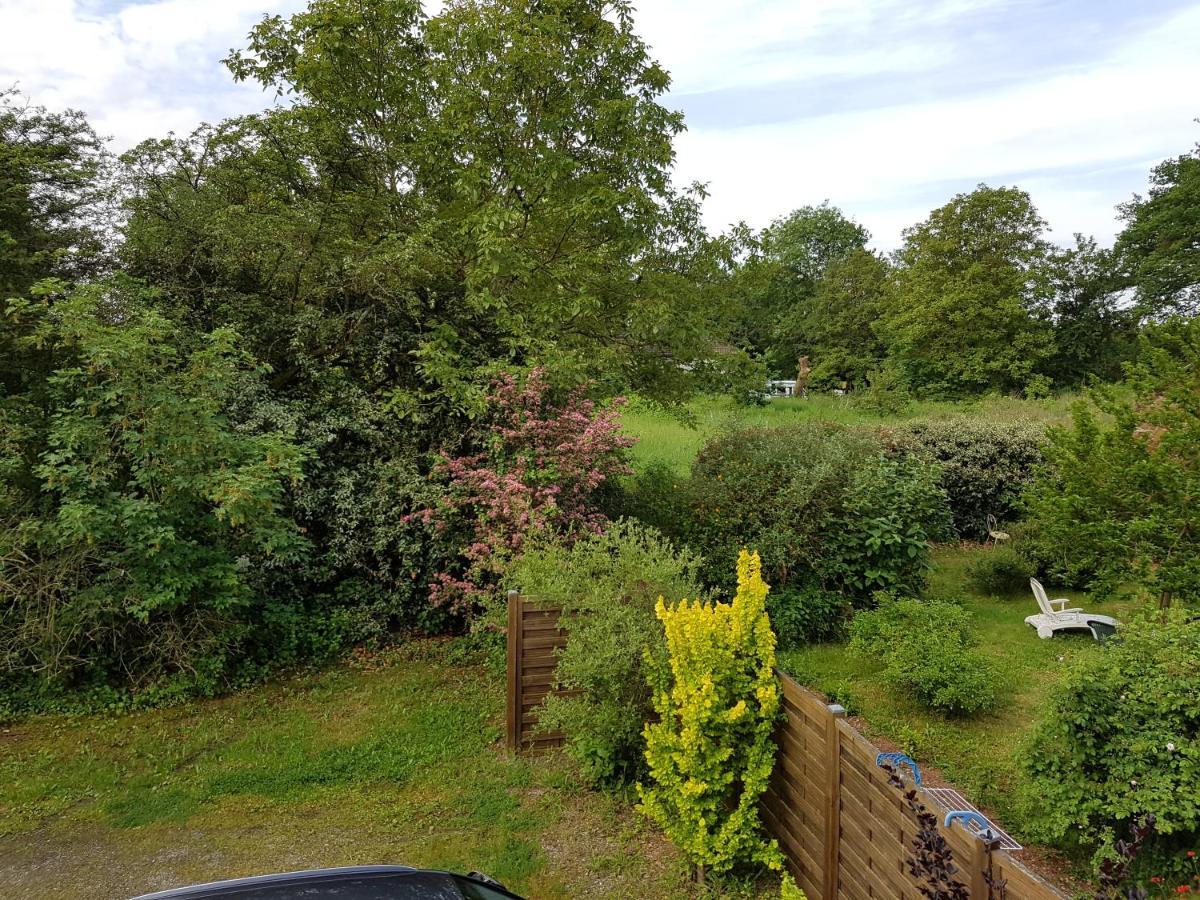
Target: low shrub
[657,495]
[1001,571]
[710,751]
[985,466]
[609,585]
[807,615]
[1120,738]
[823,507]
[926,648]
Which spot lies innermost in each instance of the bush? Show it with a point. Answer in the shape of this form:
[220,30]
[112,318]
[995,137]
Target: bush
[711,751]
[807,615]
[657,495]
[822,506]
[1121,738]
[1001,571]
[136,521]
[985,466]
[1116,503]
[546,460]
[609,585]
[926,648]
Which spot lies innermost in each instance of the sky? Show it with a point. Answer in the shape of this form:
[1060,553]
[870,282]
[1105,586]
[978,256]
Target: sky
[886,108]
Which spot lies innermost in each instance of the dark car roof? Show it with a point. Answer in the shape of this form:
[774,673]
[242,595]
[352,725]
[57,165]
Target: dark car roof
[344,883]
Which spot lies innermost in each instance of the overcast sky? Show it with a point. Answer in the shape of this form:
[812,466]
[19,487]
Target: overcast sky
[885,107]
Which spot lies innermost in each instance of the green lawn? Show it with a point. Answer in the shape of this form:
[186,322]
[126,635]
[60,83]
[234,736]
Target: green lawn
[981,756]
[663,437]
[390,760]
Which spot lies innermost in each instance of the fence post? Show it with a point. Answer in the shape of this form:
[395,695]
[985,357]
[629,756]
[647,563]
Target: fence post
[833,800]
[981,857]
[515,638]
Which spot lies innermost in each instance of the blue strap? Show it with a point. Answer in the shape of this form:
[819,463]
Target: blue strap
[896,759]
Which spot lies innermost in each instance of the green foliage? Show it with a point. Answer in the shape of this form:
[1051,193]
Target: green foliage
[927,651]
[415,219]
[967,310]
[1001,571]
[836,325]
[607,586]
[1116,502]
[823,507]
[985,466]
[1093,332]
[789,259]
[886,392]
[136,521]
[1160,246]
[1121,738]
[51,194]
[807,615]
[711,751]
[657,495]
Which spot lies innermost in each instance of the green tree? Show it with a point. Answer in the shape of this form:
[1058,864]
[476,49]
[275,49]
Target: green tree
[447,195]
[1160,246]
[968,312]
[1093,333]
[131,549]
[1117,503]
[837,325]
[50,192]
[792,255]
[444,199]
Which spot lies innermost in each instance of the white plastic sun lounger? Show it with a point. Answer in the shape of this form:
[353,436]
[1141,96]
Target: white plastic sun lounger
[1056,617]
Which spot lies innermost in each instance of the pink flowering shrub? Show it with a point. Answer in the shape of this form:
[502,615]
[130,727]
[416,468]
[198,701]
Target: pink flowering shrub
[539,474]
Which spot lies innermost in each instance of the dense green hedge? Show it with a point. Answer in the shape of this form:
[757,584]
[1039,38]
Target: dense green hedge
[985,466]
[825,507]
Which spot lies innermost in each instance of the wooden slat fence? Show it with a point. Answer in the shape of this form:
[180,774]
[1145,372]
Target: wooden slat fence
[845,831]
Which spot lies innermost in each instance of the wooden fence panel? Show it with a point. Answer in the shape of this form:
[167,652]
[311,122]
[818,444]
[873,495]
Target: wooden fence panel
[534,638]
[843,829]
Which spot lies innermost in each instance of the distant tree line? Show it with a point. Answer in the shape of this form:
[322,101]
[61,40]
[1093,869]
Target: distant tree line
[976,298]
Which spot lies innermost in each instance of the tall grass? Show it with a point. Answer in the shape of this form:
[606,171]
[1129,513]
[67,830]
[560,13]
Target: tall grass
[675,438]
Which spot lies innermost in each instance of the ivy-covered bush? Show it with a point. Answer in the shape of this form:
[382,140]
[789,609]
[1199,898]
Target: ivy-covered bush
[710,750]
[985,466]
[927,649]
[823,506]
[607,585]
[1001,571]
[1120,738]
[807,615]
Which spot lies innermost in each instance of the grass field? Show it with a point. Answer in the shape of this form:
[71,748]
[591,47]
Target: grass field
[393,760]
[981,756]
[675,440]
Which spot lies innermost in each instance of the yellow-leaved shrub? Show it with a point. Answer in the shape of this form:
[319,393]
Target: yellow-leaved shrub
[710,753]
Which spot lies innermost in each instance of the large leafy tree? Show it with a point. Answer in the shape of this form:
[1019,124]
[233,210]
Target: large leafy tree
[837,325]
[1160,246]
[51,190]
[968,312]
[1094,329]
[443,196]
[779,278]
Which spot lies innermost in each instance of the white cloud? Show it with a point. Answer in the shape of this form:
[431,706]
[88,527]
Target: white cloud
[890,165]
[138,71]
